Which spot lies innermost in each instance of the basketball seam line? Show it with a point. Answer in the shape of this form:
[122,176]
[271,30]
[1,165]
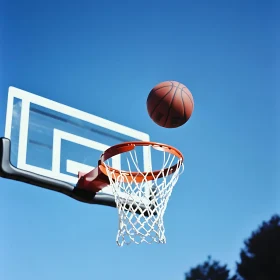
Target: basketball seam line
[170,106]
[157,90]
[163,87]
[161,100]
[185,116]
[188,96]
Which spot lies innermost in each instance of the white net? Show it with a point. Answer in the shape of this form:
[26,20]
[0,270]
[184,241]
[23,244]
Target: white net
[141,205]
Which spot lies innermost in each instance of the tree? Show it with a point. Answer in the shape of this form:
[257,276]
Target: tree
[260,259]
[209,270]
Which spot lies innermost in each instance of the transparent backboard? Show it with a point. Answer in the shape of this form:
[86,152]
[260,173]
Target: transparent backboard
[57,141]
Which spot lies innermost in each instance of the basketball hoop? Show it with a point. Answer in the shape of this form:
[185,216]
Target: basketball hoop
[141,196]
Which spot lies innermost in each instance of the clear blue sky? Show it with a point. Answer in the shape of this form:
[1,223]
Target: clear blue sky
[103,57]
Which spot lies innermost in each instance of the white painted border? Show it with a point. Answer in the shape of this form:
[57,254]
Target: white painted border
[74,167]
[23,133]
[64,109]
[58,135]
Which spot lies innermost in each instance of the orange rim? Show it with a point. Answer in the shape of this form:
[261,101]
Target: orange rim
[135,176]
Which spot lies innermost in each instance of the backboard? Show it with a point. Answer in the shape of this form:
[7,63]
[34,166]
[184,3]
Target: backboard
[47,143]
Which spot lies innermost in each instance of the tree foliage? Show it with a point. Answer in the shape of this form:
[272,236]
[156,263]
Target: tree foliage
[209,270]
[260,259]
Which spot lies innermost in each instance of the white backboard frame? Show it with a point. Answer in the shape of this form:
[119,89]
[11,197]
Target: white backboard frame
[28,98]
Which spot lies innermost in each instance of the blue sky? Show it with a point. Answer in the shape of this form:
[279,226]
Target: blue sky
[103,57]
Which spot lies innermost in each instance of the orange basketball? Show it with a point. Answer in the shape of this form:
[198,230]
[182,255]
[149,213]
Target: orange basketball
[170,104]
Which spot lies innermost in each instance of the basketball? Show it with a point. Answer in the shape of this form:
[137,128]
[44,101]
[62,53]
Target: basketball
[170,104]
